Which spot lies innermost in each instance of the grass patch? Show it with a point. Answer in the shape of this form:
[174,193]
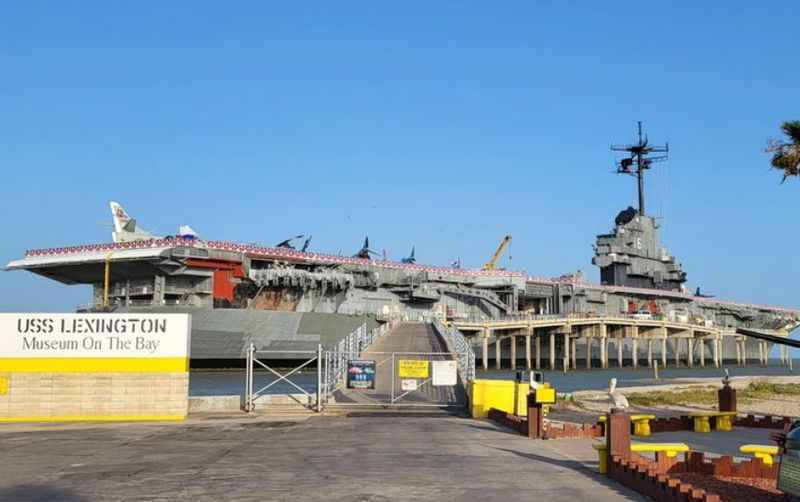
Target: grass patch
[696,395]
[755,391]
[766,390]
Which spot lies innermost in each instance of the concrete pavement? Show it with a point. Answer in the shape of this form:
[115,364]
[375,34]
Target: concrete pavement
[388,458]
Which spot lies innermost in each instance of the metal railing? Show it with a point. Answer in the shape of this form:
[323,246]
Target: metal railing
[459,345]
[350,347]
[579,317]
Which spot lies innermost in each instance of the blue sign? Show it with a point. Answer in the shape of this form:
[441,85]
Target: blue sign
[361,375]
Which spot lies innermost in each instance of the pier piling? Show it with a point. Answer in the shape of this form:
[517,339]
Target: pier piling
[513,352]
[588,352]
[497,352]
[702,352]
[528,349]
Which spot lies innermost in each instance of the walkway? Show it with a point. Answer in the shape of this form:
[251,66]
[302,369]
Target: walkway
[408,341]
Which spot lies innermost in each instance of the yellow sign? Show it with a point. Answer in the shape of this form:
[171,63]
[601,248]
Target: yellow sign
[3,386]
[411,368]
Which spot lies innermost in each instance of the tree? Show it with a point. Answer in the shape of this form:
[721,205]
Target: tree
[786,154]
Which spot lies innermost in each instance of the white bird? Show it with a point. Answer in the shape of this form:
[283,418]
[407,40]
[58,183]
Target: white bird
[618,400]
[726,380]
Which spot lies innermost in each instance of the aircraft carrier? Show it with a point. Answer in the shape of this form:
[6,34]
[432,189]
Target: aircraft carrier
[284,298]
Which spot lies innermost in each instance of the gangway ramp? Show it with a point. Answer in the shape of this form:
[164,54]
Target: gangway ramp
[408,341]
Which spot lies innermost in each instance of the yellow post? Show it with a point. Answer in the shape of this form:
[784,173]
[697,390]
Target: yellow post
[106,275]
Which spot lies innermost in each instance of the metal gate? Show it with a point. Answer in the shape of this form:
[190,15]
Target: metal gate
[351,375]
[392,380]
[311,399]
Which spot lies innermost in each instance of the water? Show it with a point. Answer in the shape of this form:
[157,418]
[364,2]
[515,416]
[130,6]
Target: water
[230,383]
[597,379]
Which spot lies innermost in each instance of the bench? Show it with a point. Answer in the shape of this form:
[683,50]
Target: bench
[671,449]
[765,452]
[641,424]
[702,420]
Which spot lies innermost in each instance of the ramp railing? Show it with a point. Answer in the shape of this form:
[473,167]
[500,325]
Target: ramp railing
[459,345]
[350,347]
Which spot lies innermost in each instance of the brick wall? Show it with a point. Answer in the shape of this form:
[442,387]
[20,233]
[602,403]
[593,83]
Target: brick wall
[552,430]
[697,463]
[42,396]
[645,479]
[762,422]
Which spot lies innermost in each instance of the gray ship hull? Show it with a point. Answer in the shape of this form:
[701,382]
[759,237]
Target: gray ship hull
[226,333]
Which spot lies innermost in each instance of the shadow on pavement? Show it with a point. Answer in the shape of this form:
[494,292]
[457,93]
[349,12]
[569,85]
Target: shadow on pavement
[37,493]
[574,465]
[502,430]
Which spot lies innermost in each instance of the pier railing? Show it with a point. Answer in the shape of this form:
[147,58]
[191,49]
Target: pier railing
[576,317]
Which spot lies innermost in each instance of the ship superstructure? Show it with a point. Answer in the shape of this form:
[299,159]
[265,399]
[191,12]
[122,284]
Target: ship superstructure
[239,282]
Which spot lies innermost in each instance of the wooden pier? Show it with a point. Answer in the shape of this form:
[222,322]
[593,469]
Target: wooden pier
[648,340]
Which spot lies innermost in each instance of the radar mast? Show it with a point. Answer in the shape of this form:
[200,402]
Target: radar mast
[639,160]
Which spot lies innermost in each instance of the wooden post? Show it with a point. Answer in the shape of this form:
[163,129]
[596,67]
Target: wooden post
[535,418]
[726,398]
[618,435]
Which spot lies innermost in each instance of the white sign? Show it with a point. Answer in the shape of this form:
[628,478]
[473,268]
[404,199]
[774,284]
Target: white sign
[94,335]
[444,372]
[408,384]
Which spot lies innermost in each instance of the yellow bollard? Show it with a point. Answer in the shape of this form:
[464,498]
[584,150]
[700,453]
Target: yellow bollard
[641,424]
[702,424]
[724,423]
[602,457]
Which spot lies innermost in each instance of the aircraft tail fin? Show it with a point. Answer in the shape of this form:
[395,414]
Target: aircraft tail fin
[125,229]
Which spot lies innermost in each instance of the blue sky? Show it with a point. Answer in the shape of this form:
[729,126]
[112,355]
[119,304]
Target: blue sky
[443,125]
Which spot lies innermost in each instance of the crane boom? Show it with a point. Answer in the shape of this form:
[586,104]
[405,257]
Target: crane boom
[490,265]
